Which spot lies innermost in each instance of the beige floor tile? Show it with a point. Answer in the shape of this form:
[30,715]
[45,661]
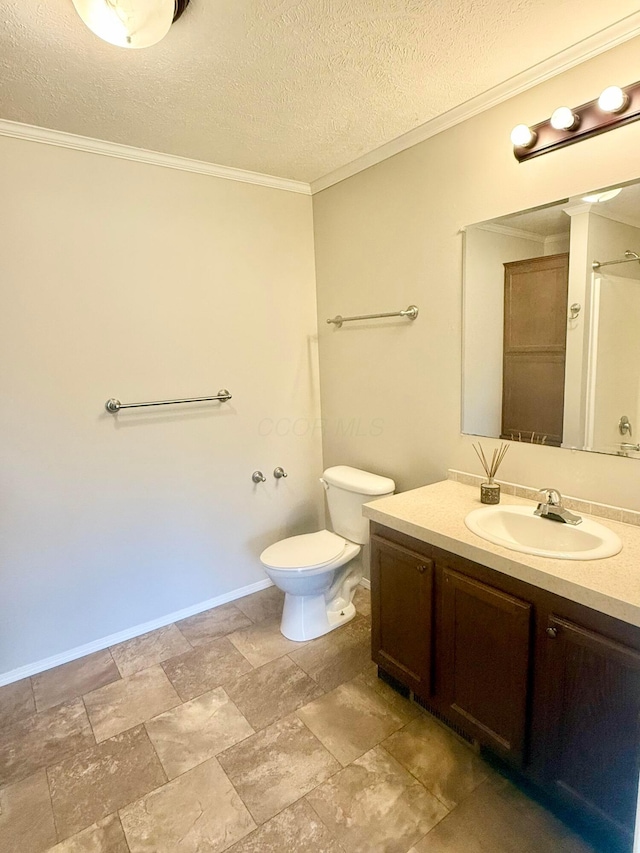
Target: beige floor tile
[271,692]
[266,604]
[399,703]
[145,651]
[16,702]
[351,720]
[196,731]
[338,656]
[26,817]
[375,806]
[485,821]
[544,824]
[217,622]
[263,642]
[277,766]
[99,781]
[43,739]
[362,600]
[105,836]
[297,829]
[73,679]
[199,812]
[444,765]
[206,667]
[130,701]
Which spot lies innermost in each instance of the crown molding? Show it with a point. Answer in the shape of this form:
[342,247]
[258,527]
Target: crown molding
[578,207]
[561,235]
[30,132]
[508,231]
[584,50]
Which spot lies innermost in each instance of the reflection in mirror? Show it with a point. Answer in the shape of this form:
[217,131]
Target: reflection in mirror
[551,325]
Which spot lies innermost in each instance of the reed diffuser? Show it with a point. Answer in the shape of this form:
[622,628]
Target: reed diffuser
[490,490]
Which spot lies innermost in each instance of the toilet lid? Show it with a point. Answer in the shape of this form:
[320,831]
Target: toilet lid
[306,551]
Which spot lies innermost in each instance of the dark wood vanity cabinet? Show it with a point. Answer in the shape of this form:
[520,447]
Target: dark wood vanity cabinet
[402,630]
[548,685]
[587,747]
[484,649]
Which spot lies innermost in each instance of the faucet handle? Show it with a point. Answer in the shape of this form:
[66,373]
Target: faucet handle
[624,425]
[552,496]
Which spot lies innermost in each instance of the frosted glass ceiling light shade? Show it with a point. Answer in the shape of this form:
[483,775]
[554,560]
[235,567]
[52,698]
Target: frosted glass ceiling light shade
[597,198]
[564,119]
[613,100]
[128,23]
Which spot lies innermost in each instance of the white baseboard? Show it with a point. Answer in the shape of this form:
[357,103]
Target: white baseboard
[104,643]
[366,583]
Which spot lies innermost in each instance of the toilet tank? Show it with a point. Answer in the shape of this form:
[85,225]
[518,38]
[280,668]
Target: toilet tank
[347,490]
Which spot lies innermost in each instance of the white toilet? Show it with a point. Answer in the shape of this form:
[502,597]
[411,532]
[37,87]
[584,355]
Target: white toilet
[316,570]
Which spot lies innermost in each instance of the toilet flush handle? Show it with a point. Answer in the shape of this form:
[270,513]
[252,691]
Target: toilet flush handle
[324,483]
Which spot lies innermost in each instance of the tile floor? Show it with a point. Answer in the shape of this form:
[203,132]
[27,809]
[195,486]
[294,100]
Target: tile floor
[217,733]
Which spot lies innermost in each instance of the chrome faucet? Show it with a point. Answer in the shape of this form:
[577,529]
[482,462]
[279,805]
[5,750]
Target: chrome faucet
[552,508]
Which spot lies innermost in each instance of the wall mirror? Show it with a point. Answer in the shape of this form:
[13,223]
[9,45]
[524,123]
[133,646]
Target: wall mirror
[551,324]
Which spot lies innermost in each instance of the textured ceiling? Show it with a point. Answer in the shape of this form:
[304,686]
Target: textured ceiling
[294,88]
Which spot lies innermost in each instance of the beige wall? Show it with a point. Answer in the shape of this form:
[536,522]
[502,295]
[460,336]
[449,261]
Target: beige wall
[485,254]
[390,236]
[128,280]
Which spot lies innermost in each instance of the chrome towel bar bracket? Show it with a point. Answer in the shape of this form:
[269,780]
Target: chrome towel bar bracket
[114,405]
[411,313]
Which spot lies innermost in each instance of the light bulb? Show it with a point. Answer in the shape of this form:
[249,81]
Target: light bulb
[564,119]
[607,195]
[522,136]
[613,100]
[127,23]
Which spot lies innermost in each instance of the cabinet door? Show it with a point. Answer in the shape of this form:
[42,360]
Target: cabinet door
[535,331]
[483,662]
[591,744]
[401,599]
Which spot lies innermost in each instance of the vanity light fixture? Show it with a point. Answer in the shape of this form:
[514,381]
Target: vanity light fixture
[613,108]
[522,136]
[613,100]
[564,119]
[130,23]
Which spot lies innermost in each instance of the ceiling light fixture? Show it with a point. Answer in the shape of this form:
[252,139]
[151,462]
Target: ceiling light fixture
[598,198]
[613,108]
[130,23]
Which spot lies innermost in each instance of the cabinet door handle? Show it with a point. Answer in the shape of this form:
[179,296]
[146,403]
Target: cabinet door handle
[421,569]
[552,633]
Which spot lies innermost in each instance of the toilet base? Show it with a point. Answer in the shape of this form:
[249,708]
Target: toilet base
[305,617]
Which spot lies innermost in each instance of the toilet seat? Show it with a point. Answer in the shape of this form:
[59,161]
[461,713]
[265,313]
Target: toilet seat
[305,552]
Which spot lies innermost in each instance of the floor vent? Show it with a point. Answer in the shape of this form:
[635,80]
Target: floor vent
[398,686]
[460,732]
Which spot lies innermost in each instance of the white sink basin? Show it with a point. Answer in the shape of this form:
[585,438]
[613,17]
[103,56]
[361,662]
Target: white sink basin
[517,528]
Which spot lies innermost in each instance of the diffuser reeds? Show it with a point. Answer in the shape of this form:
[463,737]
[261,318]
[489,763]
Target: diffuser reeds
[491,469]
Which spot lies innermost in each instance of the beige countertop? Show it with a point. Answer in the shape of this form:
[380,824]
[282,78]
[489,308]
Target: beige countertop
[436,514]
